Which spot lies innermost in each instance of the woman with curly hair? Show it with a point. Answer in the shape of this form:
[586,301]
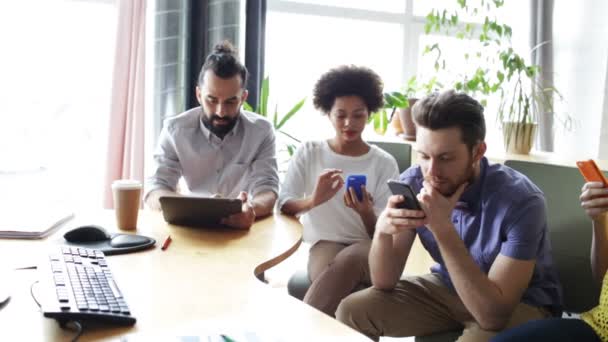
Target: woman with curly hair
[337,224]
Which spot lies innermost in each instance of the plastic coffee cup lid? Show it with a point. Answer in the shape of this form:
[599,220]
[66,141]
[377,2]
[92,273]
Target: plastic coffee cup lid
[126,184]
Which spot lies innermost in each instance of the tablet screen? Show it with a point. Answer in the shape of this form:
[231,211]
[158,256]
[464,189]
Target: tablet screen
[198,211]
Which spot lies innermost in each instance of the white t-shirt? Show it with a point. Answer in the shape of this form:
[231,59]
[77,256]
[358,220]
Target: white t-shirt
[333,220]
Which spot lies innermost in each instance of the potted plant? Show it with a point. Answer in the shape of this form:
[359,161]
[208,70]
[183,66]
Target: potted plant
[497,72]
[278,121]
[400,103]
[520,102]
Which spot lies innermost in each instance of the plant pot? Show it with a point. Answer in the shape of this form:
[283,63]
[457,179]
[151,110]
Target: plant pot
[396,123]
[407,121]
[518,137]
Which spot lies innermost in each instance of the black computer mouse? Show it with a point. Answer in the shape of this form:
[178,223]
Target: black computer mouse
[89,233]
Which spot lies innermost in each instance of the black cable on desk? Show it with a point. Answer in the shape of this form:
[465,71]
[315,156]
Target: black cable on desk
[32,294]
[78,329]
[77,324]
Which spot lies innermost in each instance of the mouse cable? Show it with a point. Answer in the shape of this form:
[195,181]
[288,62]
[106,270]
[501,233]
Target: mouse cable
[78,328]
[32,294]
[77,324]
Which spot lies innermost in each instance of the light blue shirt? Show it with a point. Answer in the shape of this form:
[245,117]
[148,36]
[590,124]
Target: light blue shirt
[502,212]
[245,160]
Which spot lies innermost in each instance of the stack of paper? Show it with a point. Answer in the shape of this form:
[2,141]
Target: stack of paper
[18,224]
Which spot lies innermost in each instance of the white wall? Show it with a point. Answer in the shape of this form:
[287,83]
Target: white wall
[604,131]
[581,54]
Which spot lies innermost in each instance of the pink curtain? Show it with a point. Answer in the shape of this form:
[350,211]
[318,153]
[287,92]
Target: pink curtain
[125,156]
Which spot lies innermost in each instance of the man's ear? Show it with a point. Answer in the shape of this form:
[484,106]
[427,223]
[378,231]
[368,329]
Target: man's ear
[199,95]
[244,95]
[479,151]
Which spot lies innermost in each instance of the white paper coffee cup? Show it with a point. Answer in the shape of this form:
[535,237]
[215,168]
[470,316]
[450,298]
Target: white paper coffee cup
[127,199]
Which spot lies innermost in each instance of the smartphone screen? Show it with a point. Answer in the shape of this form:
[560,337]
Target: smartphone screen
[410,200]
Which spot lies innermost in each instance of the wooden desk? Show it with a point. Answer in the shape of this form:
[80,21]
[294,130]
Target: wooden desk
[205,280]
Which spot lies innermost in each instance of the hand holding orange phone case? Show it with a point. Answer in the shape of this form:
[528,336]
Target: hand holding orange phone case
[591,172]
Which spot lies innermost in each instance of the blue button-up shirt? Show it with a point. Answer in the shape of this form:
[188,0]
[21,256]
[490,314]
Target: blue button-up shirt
[502,212]
[245,160]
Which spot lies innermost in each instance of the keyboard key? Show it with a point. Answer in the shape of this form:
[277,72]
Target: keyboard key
[59,281]
[114,288]
[56,267]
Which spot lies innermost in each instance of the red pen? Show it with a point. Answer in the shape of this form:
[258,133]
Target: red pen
[166,243]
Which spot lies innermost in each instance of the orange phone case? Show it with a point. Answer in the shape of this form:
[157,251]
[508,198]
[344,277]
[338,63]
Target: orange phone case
[591,172]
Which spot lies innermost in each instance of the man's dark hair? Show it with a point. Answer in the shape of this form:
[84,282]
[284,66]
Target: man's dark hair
[225,64]
[348,80]
[451,109]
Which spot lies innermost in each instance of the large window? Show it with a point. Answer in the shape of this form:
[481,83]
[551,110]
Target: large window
[306,38]
[56,67]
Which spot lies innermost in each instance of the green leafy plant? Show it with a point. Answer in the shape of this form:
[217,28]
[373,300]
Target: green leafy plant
[379,120]
[497,71]
[278,121]
[485,77]
[393,100]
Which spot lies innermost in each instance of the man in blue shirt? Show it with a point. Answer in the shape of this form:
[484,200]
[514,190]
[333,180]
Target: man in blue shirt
[484,225]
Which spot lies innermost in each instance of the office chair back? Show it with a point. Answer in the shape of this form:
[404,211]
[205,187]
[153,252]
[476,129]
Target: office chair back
[569,229]
[402,152]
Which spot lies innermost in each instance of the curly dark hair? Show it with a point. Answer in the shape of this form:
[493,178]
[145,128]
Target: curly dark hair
[348,80]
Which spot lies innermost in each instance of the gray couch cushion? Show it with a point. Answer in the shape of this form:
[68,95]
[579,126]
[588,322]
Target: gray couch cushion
[569,229]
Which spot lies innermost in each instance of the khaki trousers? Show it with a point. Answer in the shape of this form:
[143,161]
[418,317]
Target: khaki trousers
[418,306]
[335,269]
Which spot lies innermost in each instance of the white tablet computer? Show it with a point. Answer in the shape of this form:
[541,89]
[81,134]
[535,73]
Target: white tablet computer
[198,211]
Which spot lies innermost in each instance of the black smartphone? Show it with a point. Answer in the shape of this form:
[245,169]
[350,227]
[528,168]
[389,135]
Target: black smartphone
[410,200]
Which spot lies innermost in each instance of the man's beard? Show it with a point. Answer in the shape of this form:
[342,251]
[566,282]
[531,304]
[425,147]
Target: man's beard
[469,178]
[219,130]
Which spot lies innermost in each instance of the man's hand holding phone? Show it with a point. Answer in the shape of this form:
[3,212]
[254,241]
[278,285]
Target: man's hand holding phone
[402,212]
[394,219]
